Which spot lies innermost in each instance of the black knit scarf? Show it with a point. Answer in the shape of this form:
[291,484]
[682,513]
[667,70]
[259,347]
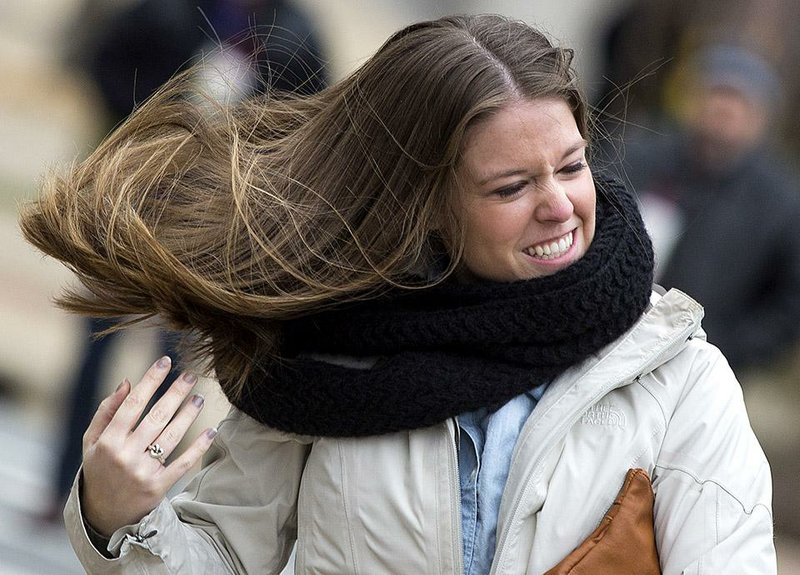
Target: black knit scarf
[456,347]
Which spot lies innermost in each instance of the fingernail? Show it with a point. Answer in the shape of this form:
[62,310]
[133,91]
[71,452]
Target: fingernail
[211,432]
[190,378]
[121,385]
[198,400]
[163,362]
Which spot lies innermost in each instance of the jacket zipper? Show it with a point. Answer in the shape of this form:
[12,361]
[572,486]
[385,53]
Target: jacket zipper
[455,493]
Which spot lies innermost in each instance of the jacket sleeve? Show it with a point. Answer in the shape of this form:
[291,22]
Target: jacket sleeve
[713,508]
[238,515]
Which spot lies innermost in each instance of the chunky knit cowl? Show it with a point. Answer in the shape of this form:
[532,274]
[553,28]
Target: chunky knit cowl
[455,347]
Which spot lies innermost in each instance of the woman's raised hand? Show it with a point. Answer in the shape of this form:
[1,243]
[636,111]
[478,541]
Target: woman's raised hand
[124,475]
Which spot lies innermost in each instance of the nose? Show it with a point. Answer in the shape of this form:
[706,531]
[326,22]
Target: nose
[554,204]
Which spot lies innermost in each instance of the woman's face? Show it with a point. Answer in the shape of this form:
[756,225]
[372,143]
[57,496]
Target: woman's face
[528,194]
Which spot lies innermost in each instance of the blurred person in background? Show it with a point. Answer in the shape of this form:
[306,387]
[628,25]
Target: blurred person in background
[722,205]
[648,45]
[248,46]
[141,46]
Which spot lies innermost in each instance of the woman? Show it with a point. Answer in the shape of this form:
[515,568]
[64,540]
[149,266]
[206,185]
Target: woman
[435,326]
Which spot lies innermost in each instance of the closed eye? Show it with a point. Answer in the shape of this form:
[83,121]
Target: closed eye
[510,191]
[575,167]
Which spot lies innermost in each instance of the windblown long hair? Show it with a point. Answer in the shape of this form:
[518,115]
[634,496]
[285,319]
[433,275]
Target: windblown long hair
[228,221]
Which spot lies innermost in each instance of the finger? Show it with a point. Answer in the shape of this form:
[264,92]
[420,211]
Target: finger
[124,420]
[172,435]
[105,412]
[154,423]
[189,458]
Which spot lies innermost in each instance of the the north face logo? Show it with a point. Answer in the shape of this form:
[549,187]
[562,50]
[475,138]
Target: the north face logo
[605,414]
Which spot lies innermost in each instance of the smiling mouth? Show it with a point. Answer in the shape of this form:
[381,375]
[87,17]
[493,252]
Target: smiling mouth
[553,249]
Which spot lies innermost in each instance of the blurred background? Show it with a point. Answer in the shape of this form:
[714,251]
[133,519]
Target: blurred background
[635,58]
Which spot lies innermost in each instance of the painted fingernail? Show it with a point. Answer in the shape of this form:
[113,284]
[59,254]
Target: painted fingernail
[163,362]
[198,400]
[190,378]
[211,432]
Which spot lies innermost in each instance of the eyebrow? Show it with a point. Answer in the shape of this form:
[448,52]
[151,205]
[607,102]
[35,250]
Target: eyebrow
[582,143]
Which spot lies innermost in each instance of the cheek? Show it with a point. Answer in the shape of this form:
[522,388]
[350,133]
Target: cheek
[496,227]
[591,218]
[586,206]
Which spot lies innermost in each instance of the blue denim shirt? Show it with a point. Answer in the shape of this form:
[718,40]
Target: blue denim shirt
[484,456]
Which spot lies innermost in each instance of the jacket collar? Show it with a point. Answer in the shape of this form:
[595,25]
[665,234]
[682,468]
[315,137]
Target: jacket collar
[660,334]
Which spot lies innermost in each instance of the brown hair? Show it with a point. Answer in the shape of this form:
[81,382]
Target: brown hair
[226,222]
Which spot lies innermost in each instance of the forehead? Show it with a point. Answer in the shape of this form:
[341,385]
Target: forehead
[543,127]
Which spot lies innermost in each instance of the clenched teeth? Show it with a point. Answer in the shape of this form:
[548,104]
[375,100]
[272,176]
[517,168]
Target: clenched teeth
[551,250]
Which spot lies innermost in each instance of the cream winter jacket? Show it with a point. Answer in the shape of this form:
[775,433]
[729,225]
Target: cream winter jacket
[659,398]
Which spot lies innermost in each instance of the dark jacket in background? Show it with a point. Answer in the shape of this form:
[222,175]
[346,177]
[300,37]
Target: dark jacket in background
[144,45]
[738,249]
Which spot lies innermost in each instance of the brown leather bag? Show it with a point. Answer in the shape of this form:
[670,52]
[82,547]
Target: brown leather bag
[624,542]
